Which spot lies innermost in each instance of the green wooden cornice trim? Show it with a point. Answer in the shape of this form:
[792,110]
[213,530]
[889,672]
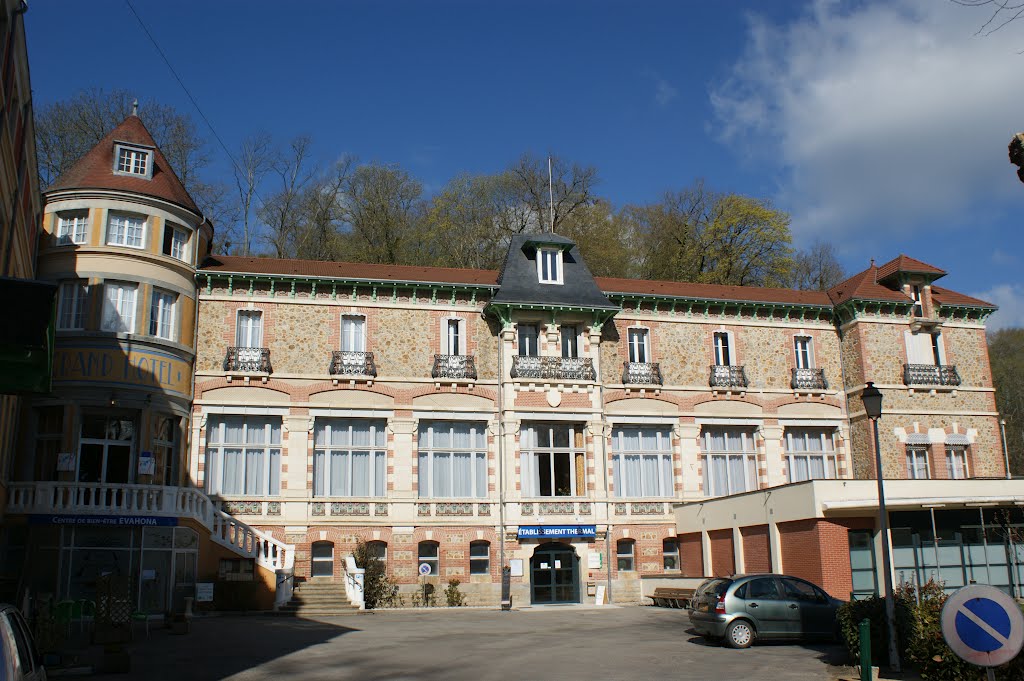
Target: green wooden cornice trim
[702,307]
[380,288]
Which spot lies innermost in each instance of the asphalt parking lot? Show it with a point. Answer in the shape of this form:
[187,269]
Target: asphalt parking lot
[563,643]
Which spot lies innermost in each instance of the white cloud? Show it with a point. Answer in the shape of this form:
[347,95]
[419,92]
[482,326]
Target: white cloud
[664,92]
[881,115]
[1010,299]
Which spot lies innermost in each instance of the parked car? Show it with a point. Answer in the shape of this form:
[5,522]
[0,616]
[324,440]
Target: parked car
[743,608]
[19,660]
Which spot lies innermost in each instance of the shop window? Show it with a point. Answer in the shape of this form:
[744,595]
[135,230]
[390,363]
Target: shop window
[452,459]
[429,554]
[642,461]
[670,553]
[552,461]
[624,554]
[479,558]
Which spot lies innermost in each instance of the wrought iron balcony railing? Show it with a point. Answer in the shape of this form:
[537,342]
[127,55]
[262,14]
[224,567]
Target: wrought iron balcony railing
[809,379]
[641,373]
[454,366]
[248,360]
[554,368]
[728,377]
[930,374]
[345,363]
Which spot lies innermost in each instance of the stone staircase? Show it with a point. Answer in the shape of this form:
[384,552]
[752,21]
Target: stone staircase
[318,598]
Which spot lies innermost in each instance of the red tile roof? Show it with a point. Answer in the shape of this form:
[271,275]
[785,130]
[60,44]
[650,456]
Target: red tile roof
[349,270]
[904,263]
[943,296]
[864,286]
[712,291]
[95,170]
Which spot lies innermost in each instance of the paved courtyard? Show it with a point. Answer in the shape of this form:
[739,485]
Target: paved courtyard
[538,643]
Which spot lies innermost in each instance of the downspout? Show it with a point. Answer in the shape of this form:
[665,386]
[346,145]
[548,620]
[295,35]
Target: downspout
[501,461]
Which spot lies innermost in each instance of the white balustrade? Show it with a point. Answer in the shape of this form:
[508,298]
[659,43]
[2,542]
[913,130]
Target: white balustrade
[354,577]
[179,502]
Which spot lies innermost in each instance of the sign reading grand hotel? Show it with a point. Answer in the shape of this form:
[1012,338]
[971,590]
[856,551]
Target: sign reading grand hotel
[559,531]
[136,367]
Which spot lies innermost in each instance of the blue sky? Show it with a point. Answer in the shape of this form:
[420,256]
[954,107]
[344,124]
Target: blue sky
[881,126]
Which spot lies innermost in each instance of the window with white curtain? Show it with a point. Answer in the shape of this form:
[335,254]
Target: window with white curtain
[161,314]
[243,455]
[126,230]
[72,227]
[642,461]
[917,462]
[249,329]
[730,460]
[810,453]
[452,459]
[570,341]
[175,241]
[956,461]
[71,304]
[639,350]
[528,337]
[350,458]
[804,349]
[723,355]
[453,341]
[552,460]
[353,333]
[119,307]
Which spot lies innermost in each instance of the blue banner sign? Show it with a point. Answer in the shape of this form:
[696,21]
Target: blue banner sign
[108,520]
[557,531]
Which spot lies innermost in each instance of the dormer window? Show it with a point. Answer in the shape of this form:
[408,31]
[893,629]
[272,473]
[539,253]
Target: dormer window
[915,291]
[549,265]
[133,160]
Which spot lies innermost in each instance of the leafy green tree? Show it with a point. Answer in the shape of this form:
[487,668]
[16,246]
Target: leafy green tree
[384,211]
[1006,354]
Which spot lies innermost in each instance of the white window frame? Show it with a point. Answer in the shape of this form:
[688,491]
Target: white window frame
[666,555]
[434,561]
[128,222]
[917,461]
[569,340]
[747,453]
[179,241]
[163,318]
[828,455]
[249,334]
[429,454]
[728,357]
[353,332]
[72,227]
[549,265]
[804,356]
[956,462]
[72,305]
[531,454]
[480,564]
[326,455]
[126,306]
[268,451]
[520,337]
[135,156]
[453,336]
[919,353]
[916,292]
[664,480]
[629,557]
[639,344]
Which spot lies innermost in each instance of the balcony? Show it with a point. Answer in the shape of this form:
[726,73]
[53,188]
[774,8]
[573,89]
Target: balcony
[728,377]
[808,379]
[248,360]
[554,368]
[931,374]
[454,366]
[345,363]
[641,373]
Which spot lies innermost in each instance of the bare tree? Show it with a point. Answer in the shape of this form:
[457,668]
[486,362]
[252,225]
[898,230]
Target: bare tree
[571,184]
[817,268]
[280,212]
[256,158]
[1001,13]
[384,208]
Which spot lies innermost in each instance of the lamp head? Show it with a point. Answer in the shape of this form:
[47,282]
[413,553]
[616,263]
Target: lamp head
[872,398]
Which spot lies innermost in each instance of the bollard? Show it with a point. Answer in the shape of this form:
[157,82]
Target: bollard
[864,634]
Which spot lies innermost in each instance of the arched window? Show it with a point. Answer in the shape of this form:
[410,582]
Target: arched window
[378,549]
[624,553]
[479,558]
[430,555]
[323,559]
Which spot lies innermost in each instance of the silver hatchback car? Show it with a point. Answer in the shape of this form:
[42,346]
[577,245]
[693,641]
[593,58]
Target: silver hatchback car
[743,608]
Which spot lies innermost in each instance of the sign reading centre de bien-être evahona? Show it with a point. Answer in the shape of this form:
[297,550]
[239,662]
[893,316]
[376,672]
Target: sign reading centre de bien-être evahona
[142,367]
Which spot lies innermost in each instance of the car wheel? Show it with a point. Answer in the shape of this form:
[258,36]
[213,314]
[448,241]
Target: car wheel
[739,634]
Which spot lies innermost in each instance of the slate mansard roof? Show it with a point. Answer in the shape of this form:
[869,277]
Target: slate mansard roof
[95,170]
[517,282]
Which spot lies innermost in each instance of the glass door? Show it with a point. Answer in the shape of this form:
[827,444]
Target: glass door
[553,575]
[105,449]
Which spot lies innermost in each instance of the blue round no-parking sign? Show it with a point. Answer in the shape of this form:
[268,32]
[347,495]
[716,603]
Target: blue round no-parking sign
[983,625]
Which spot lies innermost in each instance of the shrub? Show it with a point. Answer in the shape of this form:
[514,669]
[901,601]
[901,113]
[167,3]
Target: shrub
[452,594]
[850,614]
[379,590]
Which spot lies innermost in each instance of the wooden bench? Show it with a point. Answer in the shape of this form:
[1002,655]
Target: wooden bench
[667,597]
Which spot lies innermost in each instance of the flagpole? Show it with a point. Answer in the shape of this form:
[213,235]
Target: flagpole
[551,197]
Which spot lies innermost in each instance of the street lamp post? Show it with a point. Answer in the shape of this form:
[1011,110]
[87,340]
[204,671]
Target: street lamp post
[1006,453]
[872,398]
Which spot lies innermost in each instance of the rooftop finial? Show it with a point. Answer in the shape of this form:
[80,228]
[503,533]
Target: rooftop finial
[135,108]
[872,262]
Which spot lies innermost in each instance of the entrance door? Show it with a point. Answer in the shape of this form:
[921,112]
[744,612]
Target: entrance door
[105,449]
[554,574]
